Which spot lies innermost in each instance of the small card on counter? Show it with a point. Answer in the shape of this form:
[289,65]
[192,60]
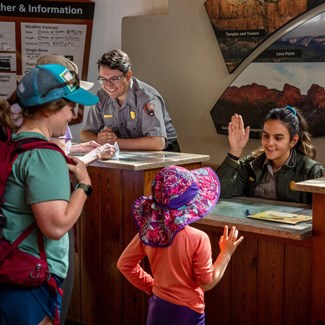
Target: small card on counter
[95,154]
[283,217]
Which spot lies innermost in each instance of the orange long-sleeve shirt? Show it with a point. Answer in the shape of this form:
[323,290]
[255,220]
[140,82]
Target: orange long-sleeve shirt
[177,270]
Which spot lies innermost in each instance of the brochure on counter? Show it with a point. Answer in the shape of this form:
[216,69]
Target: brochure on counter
[283,217]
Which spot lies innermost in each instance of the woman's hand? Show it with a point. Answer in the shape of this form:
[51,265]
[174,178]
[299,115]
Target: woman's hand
[84,147]
[79,171]
[238,135]
[107,151]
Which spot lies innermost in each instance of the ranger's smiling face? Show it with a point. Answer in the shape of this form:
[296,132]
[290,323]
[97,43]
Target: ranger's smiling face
[114,82]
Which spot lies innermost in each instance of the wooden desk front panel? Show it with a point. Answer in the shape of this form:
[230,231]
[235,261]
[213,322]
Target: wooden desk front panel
[266,282]
[318,260]
[101,294]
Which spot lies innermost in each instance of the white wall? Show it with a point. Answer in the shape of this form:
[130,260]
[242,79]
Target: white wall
[106,34]
[172,46]
[178,53]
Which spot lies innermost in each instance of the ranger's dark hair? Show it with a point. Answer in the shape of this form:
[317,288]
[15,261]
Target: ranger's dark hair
[115,60]
[295,123]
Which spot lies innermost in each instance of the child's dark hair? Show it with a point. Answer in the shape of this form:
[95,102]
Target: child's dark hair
[296,124]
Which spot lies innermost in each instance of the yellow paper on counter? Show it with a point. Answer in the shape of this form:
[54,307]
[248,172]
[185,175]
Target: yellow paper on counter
[284,217]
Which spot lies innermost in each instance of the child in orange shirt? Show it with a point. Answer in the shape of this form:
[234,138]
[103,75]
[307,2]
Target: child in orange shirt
[179,255]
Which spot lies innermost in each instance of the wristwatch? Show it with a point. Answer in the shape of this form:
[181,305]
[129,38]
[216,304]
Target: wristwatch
[86,188]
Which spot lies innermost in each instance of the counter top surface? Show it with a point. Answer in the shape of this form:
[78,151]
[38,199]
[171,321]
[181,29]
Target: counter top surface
[233,212]
[316,185]
[140,160]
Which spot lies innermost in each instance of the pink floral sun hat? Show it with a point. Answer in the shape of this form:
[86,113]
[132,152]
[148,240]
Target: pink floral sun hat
[179,197]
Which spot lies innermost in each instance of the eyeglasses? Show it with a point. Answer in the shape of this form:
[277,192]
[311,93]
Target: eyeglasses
[113,80]
[74,82]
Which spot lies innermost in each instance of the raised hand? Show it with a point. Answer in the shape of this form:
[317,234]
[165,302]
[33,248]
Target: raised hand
[238,135]
[229,242]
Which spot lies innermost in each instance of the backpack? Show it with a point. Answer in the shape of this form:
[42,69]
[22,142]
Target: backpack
[9,151]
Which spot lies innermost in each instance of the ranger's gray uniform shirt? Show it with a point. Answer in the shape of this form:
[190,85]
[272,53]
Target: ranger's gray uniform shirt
[143,114]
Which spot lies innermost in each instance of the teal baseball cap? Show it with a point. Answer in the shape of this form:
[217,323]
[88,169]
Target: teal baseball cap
[49,82]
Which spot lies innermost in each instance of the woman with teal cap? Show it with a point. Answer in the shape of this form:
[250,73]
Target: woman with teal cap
[38,188]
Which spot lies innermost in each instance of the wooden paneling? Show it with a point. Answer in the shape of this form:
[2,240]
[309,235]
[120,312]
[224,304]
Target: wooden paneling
[270,282]
[318,260]
[101,294]
[132,300]
[91,263]
[244,278]
[217,300]
[267,282]
[297,293]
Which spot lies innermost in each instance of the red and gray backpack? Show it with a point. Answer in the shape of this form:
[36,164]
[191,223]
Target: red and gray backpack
[9,151]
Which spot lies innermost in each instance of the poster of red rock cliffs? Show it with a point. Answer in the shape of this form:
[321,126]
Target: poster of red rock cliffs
[290,72]
[240,26]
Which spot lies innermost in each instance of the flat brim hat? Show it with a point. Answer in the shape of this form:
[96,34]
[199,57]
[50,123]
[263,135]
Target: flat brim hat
[83,84]
[49,82]
[179,198]
[62,60]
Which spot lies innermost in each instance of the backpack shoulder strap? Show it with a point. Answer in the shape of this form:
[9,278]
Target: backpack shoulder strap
[9,150]
[37,143]
[18,240]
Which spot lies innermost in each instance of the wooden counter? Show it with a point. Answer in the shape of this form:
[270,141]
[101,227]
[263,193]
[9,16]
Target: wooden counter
[233,211]
[145,160]
[317,306]
[101,295]
[268,279]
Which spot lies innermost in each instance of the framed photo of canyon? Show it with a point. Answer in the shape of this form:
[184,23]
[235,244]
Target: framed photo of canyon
[289,72]
[240,26]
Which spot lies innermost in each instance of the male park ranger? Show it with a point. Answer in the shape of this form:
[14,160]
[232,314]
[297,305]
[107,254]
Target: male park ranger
[130,112]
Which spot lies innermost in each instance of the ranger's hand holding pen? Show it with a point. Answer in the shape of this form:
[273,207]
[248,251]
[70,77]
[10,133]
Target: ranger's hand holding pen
[106,135]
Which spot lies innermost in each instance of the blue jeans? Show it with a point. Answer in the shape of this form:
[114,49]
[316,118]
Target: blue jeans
[24,306]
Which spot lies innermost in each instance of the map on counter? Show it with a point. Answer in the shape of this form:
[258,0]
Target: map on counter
[283,217]
[140,156]
[242,207]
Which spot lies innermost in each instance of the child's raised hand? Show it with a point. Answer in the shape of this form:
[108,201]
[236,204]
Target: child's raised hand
[229,242]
